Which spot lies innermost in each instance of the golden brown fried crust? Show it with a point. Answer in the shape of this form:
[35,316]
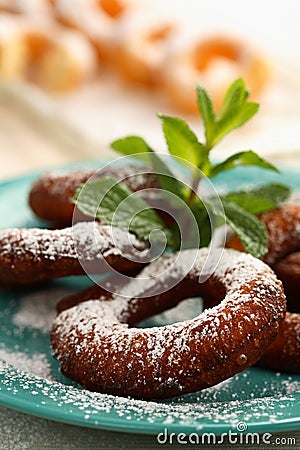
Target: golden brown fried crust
[30,256]
[288,271]
[51,197]
[91,293]
[284,353]
[283,226]
[96,348]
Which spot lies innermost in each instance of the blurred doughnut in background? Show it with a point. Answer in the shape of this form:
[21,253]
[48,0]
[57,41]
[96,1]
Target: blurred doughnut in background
[77,74]
[212,62]
[61,45]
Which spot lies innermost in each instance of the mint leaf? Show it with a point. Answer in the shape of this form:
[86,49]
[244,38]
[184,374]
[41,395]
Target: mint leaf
[250,203]
[101,198]
[236,96]
[234,119]
[251,231]
[167,180]
[258,200]
[275,192]
[247,158]
[130,145]
[138,147]
[235,111]
[183,143]
[207,113]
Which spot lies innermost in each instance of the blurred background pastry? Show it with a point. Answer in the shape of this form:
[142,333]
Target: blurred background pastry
[65,59]
[213,62]
[143,42]
[96,19]
[80,73]
[134,41]
[13,48]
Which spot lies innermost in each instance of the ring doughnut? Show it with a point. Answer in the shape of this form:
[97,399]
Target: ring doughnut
[32,255]
[142,47]
[283,227]
[95,19]
[51,197]
[96,348]
[67,59]
[213,62]
[284,353]
[44,53]
[288,271]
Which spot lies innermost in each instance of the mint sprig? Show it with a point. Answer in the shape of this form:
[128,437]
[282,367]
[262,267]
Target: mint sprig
[239,208]
[115,204]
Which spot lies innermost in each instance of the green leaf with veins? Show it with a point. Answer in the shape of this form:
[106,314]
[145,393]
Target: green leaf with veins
[183,143]
[261,199]
[132,146]
[115,204]
[235,111]
[247,158]
[251,231]
[138,147]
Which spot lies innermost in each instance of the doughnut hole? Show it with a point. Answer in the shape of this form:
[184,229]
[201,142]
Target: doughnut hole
[113,8]
[188,308]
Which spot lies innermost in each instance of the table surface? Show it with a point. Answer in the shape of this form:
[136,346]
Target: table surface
[20,431]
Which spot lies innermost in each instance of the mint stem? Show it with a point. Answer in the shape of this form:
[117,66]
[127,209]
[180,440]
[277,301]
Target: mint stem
[194,188]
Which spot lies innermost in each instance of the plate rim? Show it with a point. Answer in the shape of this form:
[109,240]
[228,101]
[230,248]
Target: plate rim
[118,424]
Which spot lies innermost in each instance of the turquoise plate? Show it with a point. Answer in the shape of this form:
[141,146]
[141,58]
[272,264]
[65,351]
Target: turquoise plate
[30,381]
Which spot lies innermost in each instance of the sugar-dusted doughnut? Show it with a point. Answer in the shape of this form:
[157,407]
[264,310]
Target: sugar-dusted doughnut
[212,62]
[98,346]
[288,271]
[284,353]
[29,256]
[51,196]
[142,46]
[283,227]
[43,52]
[13,48]
[96,19]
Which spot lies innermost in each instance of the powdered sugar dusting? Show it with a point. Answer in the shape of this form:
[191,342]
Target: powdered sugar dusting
[84,239]
[30,377]
[97,330]
[37,310]
[195,413]
[36,364]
